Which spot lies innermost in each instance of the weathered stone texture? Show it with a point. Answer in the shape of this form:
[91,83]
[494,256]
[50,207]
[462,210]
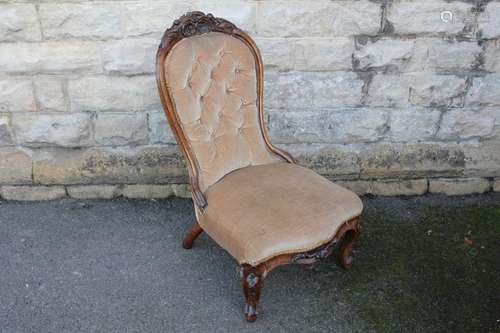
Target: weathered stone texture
[307,90]
[413,124]
[277,52]
[399,187]
[50,94]
[386,187]
[421,89]
[130,56]
[360,187]
[444,55]
[132,191]
[488,22]
[16,95]
[324,54]
[6,135]
[159,130]
[48,58]
[384,53]
[484,90]
[333,161]
[419,160]
[381,95]
[425,17]
[104,93]
[492,56]
[433,91]
[102,20]
[109,166]
[19,22]
[240,12]
[93,191]
[116,128]
[318,18]
[388,91]
[339,126]
[415,54]
[113,20]
[459,124]
[15,166]
[32,193]
[151,18]
[482,159]
[459,186]
[181,190]
[411,160]
[66,130]
[147,191]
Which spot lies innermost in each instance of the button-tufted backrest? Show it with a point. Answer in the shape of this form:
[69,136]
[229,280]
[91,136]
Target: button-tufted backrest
[209,76]
[212,81]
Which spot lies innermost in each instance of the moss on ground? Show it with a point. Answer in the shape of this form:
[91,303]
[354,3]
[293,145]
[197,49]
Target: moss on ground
[436,272]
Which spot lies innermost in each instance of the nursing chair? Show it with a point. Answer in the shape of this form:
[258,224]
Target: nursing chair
[249,196]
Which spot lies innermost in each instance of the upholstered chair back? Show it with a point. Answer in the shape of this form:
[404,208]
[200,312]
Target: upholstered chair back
[213,80]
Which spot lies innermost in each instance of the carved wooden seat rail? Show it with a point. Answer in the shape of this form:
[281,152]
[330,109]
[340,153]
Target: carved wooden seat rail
[249,196]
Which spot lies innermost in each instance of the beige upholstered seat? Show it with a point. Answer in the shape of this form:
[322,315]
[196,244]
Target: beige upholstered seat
[258,212]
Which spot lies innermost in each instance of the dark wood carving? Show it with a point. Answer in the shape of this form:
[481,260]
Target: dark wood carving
[252,281]
[252,277]
[195,23]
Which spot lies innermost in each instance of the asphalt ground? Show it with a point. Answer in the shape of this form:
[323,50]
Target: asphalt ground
[423,264]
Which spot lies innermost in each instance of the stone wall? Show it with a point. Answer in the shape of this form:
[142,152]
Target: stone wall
[383,96]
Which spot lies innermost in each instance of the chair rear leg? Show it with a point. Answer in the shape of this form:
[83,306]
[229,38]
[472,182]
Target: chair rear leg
[346,245]
[188,240]
[252,282]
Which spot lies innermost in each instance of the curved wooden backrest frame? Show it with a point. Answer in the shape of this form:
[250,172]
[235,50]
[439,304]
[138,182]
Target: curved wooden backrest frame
[198,23]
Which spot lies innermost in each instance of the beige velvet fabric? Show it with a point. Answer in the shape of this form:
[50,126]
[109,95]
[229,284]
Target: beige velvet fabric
[258,212]
[212,82]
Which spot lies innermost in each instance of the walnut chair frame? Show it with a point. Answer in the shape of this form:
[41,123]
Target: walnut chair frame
[252,277]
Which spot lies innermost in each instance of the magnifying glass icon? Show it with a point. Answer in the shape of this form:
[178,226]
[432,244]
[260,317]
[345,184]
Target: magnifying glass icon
[446,16]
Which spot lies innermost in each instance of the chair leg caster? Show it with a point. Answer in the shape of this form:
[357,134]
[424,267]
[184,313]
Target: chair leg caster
[252,282]
[188,240]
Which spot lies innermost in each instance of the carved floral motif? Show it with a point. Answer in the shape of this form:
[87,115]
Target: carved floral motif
[315,255]
[195,23]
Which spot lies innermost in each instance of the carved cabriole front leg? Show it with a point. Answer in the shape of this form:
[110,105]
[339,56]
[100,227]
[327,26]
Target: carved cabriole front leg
[252,281]
[252,277]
